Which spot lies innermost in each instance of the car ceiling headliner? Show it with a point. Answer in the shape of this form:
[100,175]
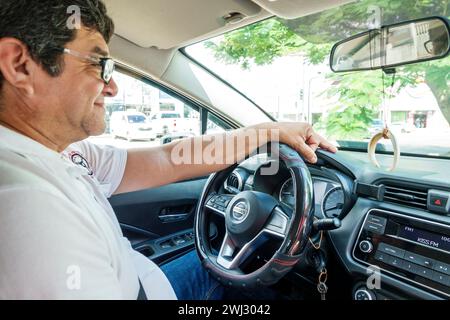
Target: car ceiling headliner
[166,24]
[154,29]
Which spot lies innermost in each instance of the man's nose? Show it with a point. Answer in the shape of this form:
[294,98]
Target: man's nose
[111,89]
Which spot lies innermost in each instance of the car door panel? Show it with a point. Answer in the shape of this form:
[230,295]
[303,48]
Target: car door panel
[156,213]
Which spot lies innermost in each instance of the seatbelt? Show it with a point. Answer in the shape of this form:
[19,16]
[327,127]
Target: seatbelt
[141,294]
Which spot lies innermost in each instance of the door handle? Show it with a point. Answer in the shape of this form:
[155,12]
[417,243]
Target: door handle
[175,214]
[173,217]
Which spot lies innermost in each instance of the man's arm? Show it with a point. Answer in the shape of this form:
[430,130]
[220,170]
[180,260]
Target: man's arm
[200,156]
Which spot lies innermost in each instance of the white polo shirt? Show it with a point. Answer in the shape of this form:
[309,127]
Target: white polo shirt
[59,236]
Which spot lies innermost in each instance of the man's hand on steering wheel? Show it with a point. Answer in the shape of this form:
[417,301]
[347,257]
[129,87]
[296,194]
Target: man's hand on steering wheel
[301,137]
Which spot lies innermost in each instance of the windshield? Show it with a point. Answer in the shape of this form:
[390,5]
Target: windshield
[283,66]
[137,119]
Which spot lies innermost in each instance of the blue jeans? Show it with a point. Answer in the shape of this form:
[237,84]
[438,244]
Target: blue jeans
[190,281]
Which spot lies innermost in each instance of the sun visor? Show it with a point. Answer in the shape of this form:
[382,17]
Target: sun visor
[166,24]
[292,9]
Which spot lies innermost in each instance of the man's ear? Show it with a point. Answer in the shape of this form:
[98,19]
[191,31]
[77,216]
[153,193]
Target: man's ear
[16,65]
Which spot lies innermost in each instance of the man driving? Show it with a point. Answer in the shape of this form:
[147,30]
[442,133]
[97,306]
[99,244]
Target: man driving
[59,236]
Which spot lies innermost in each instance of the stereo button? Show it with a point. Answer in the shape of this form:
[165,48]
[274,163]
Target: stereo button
[407,266]
[423,272]
[441,278]
[374,227]
[378,220]
[396,262]
[380,256]
[441,267]
[393,251]
[366,246]
[420,260]
[428,263]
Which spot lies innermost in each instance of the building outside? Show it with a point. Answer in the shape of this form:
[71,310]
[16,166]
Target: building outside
[135,95]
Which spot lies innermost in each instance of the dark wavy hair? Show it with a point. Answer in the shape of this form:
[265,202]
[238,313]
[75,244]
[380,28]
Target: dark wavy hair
[42,26]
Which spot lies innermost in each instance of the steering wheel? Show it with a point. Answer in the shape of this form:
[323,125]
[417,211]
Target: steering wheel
[251,218]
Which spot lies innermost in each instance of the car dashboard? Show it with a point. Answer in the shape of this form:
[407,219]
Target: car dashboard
[394,239]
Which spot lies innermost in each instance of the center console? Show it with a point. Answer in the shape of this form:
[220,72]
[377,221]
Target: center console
[413,249]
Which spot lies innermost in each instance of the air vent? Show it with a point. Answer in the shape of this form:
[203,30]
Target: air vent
[234,183]
[405,195]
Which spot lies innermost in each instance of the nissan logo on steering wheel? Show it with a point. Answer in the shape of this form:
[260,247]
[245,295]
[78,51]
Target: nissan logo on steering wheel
[240,211]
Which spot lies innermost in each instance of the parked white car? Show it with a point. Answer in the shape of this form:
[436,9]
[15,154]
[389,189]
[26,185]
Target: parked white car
[131,125]
[402,127]
[164,123]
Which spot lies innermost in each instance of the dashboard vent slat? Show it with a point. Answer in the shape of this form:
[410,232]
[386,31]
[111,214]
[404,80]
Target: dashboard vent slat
[408,196]
[234,183]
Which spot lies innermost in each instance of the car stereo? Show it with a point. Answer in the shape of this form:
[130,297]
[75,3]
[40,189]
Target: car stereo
[413,249]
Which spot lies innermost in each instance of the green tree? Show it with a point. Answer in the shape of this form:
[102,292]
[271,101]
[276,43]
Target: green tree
[360,94]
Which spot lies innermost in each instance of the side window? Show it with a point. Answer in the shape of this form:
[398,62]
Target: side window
[215,125]
[141,115]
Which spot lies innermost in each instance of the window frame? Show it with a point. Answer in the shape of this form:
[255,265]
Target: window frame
[203,109]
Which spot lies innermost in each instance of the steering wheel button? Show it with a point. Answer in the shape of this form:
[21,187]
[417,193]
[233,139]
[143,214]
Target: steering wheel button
[278,222]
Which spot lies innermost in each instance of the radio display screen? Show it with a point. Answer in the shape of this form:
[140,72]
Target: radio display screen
[427,238]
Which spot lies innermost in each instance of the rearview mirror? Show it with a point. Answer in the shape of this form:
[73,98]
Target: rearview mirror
[393,45]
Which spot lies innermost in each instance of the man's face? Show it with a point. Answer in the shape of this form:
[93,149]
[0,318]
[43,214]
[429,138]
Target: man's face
[74,102]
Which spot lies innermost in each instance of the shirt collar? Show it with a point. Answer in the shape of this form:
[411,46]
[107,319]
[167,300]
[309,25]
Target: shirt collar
[24,145]
[20,144]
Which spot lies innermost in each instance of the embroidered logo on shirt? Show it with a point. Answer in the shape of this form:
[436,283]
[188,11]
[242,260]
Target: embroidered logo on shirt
[79,160]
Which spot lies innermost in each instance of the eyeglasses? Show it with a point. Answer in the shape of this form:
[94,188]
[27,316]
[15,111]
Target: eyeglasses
[108,65]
